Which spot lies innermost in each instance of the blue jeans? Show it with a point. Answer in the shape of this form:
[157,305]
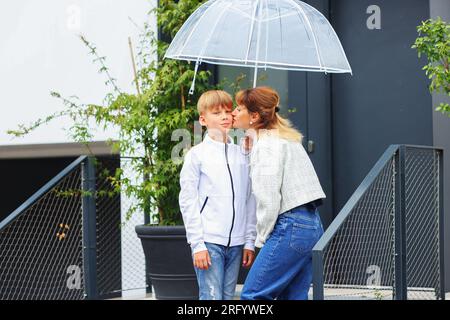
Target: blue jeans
[219,281]
[283,268]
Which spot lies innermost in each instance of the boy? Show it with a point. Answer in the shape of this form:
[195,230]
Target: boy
[218,208]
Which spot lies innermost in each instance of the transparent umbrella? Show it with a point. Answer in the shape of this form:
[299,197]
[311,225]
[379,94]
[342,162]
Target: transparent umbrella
[277,34]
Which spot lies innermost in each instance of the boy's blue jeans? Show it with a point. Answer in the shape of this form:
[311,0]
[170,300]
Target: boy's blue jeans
[283,268]
[219,281]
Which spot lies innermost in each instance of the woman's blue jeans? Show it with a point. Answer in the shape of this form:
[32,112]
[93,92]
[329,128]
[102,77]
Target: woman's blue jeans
[283,268]
[219,281]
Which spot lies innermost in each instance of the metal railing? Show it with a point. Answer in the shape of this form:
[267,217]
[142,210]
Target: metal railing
[387,242]
[66,242]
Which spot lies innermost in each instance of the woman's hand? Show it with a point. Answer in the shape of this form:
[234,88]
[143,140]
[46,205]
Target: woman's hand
[202,260]
[248,257]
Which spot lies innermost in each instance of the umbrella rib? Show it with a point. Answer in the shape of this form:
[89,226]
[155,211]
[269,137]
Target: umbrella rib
[343,52]
[195,27]
[212,31]
[267,35]
[245,14]
[205,44]
[280,16]
[303,23]
[251,32]
[281,28]
[339,43]
[275,65]
[257,48]
[313,34]
[342,49]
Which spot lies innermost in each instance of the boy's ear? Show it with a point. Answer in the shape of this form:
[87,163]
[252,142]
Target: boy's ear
[202,120]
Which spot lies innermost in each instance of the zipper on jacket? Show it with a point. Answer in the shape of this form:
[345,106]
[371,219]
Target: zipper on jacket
[232,190]
[204,204]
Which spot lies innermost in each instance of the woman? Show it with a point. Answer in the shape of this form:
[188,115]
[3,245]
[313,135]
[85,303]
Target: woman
[287,193]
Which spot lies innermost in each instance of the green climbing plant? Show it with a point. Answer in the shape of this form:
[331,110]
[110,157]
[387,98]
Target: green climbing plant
[146,119]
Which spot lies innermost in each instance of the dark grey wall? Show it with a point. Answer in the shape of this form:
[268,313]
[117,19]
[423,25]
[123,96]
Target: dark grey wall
[309,94]
[23,177]
[319,126]
[441,135]
[386,101]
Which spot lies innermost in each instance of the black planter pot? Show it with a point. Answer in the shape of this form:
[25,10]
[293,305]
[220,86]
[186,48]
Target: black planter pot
[169,262]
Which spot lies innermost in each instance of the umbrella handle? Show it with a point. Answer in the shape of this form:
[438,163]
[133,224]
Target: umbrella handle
[191,90]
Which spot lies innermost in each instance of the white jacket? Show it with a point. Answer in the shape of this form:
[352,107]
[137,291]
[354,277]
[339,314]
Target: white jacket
[216,199]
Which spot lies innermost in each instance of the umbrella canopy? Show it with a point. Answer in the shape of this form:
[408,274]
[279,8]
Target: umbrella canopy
[278,34]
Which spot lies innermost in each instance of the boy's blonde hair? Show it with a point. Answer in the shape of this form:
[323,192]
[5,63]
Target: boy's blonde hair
[214,98]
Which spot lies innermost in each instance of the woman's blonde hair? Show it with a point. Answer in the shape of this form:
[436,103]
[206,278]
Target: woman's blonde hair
[214,98]
[265,101]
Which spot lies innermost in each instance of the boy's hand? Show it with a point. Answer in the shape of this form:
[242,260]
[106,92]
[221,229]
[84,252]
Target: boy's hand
[248,257]
[202,260]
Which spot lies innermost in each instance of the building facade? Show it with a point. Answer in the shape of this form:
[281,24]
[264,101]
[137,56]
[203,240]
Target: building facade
[348,120]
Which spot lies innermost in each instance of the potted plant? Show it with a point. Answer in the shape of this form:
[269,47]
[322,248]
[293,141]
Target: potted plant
[146,121]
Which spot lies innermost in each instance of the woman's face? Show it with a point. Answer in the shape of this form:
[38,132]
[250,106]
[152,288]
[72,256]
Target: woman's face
[241,118]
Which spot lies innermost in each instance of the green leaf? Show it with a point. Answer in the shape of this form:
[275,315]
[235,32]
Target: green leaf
[434,43]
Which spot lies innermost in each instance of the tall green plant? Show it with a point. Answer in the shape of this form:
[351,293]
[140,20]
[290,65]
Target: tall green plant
[146,119]
[434,42]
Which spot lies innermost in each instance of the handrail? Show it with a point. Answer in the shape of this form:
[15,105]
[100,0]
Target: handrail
[38,194]
[399,246]
[422,147]
[349,206]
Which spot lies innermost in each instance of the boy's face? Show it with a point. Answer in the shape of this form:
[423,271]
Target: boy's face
[217,118]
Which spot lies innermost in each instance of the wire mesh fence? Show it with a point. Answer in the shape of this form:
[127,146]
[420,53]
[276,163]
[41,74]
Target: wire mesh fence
[133,267]
[422,223]
[386,243]
[108,230]
[118,247]
[358,262]
[41,249]
[43,243]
